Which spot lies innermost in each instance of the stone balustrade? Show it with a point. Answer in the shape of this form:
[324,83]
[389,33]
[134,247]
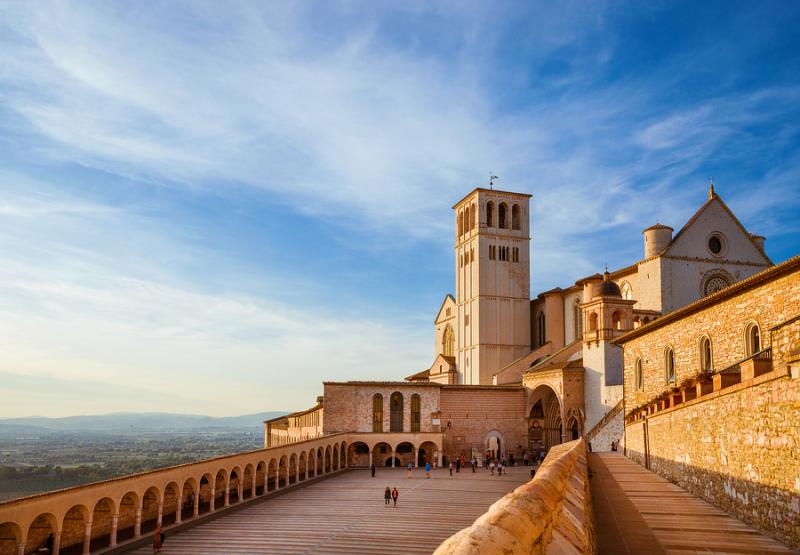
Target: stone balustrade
[549,514]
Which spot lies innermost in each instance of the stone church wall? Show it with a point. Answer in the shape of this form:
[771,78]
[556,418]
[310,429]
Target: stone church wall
[348,405]
[471,413]
[737,447]
[739,450]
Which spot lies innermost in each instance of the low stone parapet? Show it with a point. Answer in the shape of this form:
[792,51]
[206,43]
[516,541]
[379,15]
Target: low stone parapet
[549,514]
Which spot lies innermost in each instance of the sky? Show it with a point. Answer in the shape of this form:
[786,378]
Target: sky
[212,207]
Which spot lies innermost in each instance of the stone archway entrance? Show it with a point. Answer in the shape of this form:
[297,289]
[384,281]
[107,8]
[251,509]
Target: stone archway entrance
[493,445]
[544,420]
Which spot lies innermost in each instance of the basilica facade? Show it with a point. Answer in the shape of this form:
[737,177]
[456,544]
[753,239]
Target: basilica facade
[513,374]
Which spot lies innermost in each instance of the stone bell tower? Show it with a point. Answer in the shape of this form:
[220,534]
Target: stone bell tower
[492,282]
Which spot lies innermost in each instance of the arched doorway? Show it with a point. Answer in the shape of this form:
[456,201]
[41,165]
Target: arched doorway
[544,420]
[102,514]
[405,454]
[127,517]
[493,445]
[247,486]
[188,499]
[38,532]
[358,454]
[574,431]
[427,453]
[170,504]
[382,454]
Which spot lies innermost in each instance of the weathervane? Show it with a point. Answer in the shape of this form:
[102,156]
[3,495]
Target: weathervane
[492,177]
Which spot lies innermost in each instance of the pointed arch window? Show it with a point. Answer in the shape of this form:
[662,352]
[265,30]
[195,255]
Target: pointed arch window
[448,342]
[415,412]
[460,224]
[516,219]
[396,412]
[490,214]
[627,291]
[467,217]
[377,413]
[669,365]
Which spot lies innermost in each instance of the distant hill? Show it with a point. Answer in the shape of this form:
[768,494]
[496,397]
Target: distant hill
[134,422]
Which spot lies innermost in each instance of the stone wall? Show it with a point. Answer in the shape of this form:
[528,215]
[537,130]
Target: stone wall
[551,513]
[737,444]
[348,405]
[470,414]
[610,428]
[739,449]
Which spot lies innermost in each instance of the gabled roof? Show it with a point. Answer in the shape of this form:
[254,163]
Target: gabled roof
[441,307]
[713,196]
[425,374]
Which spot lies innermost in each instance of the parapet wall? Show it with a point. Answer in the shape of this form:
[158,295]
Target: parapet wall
[738,448]
[551,513]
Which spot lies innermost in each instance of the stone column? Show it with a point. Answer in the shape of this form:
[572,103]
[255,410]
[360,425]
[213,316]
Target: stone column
[370,458]
[87,538]
[227,495]
[241,491]
[391,454]
[416,458]
[56,543]
[196,511]
[137,526]
[114,524]
[20,548]
[213,498]
[160,513]
[255,481]
[179,510]
[439,458]
[278,476]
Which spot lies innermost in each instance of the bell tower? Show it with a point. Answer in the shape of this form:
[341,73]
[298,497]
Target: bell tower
[492,282]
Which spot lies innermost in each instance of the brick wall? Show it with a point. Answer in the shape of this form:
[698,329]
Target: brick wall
[348,406]
[474,412]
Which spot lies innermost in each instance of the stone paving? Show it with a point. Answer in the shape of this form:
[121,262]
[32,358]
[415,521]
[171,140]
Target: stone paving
[638,512]
[346,514]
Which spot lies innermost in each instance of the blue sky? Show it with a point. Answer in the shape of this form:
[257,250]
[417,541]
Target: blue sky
[209,208]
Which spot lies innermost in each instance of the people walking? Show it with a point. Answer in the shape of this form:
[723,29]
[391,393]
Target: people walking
[427,471]
[387,495]
[395,495]
[458,464]
[474,464]
[410,467]
[499,469]
[158,540]
[451,468]
[372,469]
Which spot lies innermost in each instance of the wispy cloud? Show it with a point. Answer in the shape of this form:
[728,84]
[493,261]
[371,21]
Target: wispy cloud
[366,120]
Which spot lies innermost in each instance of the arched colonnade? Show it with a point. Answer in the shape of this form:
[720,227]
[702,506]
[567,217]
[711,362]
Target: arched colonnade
[89,518]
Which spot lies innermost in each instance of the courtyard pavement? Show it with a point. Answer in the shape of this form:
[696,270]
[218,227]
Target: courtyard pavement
[638,512]
[346,514]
